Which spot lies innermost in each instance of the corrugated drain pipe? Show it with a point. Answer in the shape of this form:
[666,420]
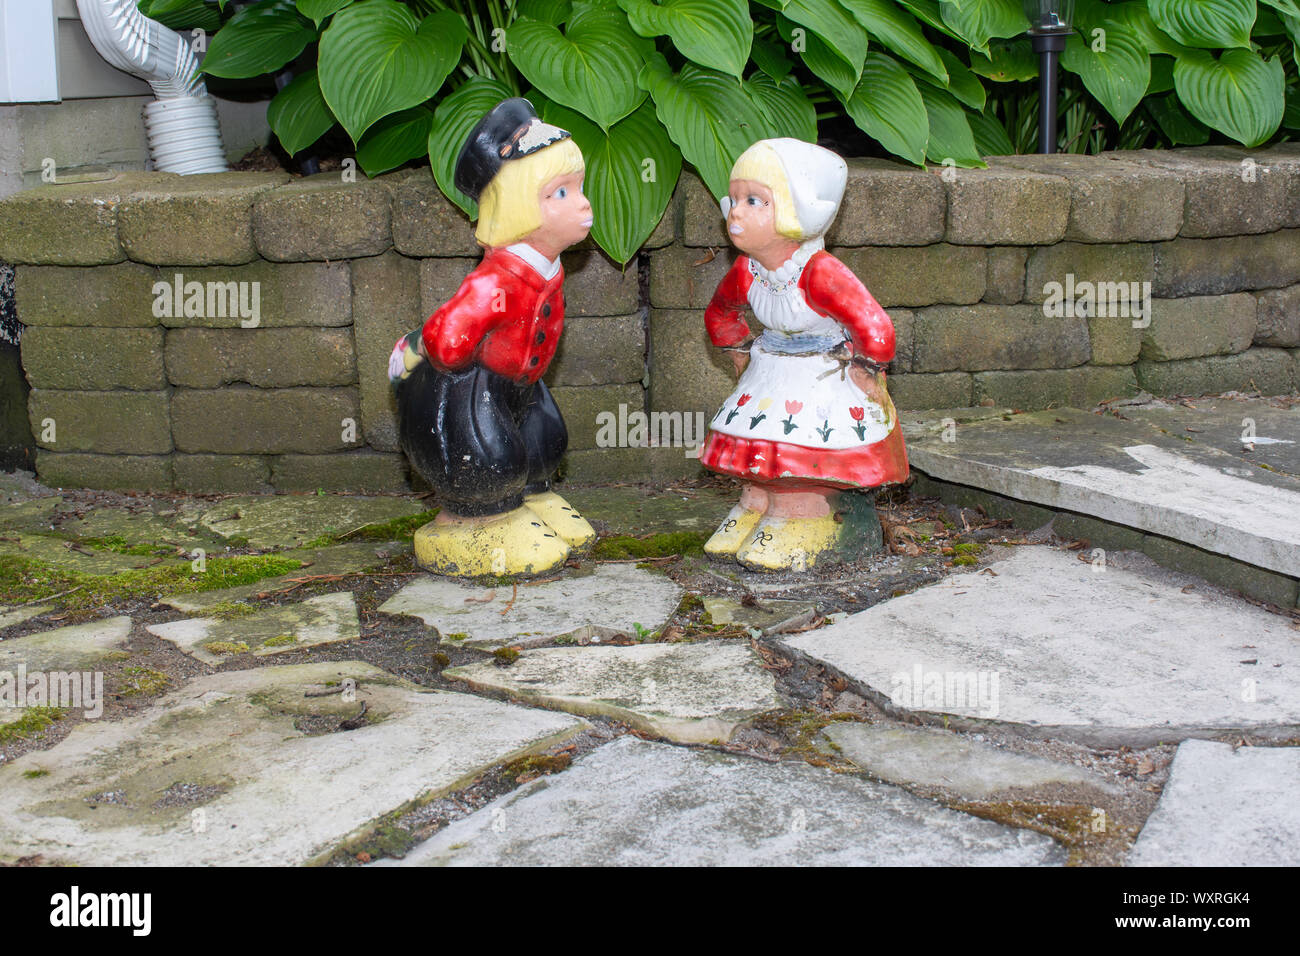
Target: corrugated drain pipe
[182,125]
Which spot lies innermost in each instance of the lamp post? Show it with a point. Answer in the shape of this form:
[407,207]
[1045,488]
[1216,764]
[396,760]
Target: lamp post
[1049,25]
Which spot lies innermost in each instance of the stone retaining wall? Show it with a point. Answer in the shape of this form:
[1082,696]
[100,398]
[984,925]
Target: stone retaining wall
[962,259]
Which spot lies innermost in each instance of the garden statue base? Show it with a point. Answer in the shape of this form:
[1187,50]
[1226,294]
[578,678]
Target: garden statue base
[794,531]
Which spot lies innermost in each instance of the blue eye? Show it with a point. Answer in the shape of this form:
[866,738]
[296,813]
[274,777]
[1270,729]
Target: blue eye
[561,192]
[754,200]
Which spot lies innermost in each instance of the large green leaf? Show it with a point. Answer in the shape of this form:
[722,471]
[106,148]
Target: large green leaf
[554,12]
[713,33]
[899,32]
[1117,75]
[298,114]
[457,113]
[833,25]
[1162,75]
[376,59]
[591,67]
[825,63]
[1289,7]
[1136,17]
[991,137]
[887,106]
[631,172]
[928,12]
[784,108]
[1176,123]
[1293,31]
[978,21]
[258,40]
[708,114]
[962,82]
[770,58]
[1239,94]
[1008,61]
[394,140]
[951,141]
[319,10]
[1206,23]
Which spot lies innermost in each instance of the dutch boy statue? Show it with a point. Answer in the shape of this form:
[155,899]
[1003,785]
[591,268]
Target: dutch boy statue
[810,428]
[475,419]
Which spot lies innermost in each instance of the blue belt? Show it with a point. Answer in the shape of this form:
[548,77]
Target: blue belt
[798,343]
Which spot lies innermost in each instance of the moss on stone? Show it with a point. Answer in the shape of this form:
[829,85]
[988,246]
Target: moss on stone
[625,547]
[965,559]
[280,640]
[143,682]
[23,580]
[33,721]
[226,647]
[33,774]
[505,656]
[528,768]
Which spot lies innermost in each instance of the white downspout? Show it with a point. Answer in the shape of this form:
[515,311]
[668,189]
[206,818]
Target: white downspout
[182,126]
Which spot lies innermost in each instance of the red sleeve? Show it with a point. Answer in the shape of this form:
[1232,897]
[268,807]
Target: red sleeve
[724,316]
[453,333]
[832,289]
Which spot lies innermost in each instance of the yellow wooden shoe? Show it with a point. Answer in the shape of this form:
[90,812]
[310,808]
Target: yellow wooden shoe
[515,543]
[563,519]
[731,534]
[851,531]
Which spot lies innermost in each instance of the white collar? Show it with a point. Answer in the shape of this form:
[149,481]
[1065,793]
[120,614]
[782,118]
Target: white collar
[792,266]
[544,266]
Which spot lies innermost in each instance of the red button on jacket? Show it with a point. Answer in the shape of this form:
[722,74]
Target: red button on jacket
[495,317]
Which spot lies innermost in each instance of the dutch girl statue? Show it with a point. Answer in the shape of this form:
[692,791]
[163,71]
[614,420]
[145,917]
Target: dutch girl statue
[475,419]
[810,428]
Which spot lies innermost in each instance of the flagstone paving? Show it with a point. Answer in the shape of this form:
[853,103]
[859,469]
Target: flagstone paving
[636,803]
[1053,644]
[76,647]
[975,770]
[290,521]
[242,768]
[612,599]
[1225,807]
[692,693]
[766,616]
[324,619]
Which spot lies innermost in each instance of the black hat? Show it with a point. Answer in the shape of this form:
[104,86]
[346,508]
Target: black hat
[510,131]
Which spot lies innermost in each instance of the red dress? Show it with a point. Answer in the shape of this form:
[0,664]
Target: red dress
[833,432]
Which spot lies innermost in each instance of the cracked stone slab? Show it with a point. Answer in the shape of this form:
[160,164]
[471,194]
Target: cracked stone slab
[766,616]
[75,647]
[692,693]
[1225,807]
[1128,473]
[937,758]
[613,599]
[55,551]
[637,803]
[1053,647]
[287,521]
[220,773]
[334,559]
[325,619]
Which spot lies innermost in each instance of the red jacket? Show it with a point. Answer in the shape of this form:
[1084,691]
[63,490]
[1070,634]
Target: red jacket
[829,287]
[504,316]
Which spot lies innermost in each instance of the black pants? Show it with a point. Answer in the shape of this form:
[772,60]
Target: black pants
[481,440]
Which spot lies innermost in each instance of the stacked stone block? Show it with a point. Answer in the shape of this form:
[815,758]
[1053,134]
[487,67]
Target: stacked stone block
[982,272]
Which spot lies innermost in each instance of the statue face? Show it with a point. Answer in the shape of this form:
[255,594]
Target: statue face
[751,223]
[566,215]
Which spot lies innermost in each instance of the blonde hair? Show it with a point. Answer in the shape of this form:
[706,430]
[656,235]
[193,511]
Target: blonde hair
[510,207]
[761,164]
